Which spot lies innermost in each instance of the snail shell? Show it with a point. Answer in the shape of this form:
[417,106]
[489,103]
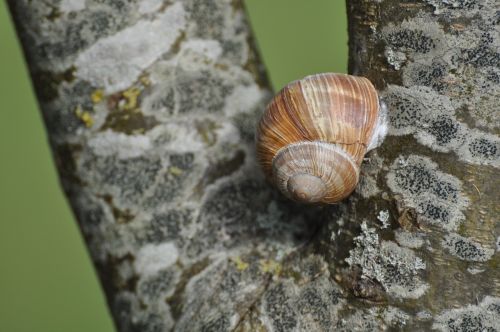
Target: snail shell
[314,134]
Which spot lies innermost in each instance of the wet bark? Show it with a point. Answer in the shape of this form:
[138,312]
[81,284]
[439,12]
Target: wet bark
[150,109]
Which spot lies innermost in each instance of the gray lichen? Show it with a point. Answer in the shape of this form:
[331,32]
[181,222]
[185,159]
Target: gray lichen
[397,269]
[467,249]
[436,196]
[310,303]
[375,319]
[414,113]
[479,317]
[150,107]
[409,239]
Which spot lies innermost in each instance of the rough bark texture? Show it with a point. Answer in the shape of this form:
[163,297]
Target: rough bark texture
[150,108]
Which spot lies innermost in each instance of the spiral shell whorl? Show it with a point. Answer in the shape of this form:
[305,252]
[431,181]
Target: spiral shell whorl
[314,172]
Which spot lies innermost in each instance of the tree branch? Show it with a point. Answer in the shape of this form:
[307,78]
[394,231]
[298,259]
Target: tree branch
[150,108]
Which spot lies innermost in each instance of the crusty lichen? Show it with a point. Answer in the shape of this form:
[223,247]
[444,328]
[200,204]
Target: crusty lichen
[473,317]
[185,232]
[396,268]
[467,249]
[303,303]
[413,112]
[436,196]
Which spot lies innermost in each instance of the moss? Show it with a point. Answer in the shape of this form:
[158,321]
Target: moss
[129,122]
[97,96]
[270,266]
[175,170]
[130,95]
[240,264]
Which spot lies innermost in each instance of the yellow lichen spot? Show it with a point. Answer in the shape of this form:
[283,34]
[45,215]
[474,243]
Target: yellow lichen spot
[138,131]
[84,116]
[175,171]
[270,266]
[97,96]
[131,97]
[144,79]
[240,264]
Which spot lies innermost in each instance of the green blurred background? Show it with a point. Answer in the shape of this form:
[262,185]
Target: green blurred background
[47,283]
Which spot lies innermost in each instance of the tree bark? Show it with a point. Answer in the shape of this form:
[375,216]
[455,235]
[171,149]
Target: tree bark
[150,108]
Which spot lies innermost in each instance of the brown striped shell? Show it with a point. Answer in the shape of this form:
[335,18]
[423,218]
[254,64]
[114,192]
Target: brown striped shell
[314,134]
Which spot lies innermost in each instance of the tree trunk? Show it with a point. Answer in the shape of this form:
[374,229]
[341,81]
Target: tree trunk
[150,108]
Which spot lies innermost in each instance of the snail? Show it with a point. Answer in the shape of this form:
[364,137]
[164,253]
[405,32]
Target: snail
[314,134]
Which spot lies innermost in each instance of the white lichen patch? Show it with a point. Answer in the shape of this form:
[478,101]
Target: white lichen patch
[374,319]
[195,51]
[124,146]
[152,258]
[383,217]
[179,136]
[115,62]
[395,317]
[362,320]
[395,58]
[436,196]
[381,128]
[474,271]
[481,317]
[227,133]
[367,186]
[467,249]
[71,5]
[395,268]
[409,239]
[424,315]
[243,98]
[149,6]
